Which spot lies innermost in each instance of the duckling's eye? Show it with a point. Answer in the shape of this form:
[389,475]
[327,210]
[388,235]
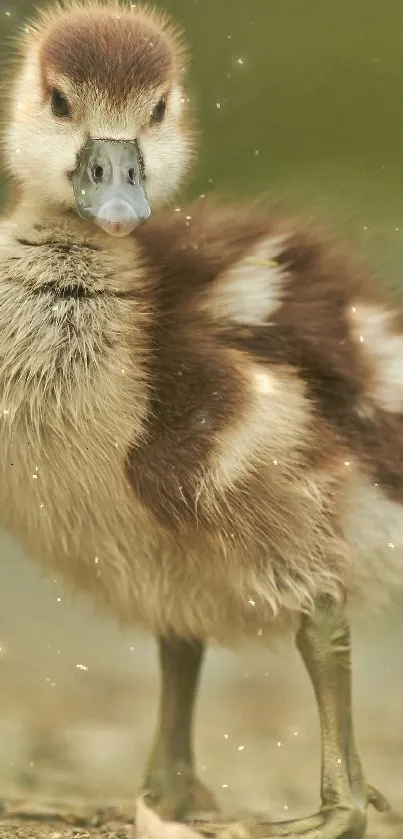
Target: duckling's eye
[59,104]
[158,113]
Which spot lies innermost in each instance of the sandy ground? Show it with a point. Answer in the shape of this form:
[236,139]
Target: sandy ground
[33,830]
[392,829]
[78,704]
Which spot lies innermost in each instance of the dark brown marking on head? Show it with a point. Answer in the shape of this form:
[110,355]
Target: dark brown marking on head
[114,51]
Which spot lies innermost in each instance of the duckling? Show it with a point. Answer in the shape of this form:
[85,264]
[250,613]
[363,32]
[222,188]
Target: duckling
[202,414]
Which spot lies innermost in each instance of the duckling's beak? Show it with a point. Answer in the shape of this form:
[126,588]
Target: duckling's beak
[108,186]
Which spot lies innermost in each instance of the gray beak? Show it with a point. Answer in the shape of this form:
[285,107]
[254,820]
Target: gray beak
[108,186]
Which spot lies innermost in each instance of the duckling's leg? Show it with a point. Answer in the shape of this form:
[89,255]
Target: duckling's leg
[325,646]
[171,784]
[324,643]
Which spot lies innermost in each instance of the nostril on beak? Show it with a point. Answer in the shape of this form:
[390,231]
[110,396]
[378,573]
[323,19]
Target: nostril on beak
[131,175]
[97,173]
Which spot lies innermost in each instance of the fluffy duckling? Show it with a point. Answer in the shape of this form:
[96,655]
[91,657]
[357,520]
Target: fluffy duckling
[202,416]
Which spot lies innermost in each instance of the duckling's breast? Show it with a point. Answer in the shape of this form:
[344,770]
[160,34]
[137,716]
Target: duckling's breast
[72,399]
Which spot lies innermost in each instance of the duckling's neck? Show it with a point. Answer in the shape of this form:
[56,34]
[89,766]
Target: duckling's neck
[112,266]
[75,320]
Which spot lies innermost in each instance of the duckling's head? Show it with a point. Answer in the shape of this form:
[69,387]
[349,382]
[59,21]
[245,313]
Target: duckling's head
[99,118]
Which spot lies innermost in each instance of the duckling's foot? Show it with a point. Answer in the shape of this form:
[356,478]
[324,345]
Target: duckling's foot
[177,792]
[340,821]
